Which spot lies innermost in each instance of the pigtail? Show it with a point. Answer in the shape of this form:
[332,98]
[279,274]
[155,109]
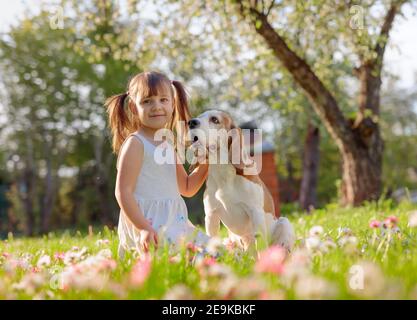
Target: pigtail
[181,114]
[121,122]
[181,101]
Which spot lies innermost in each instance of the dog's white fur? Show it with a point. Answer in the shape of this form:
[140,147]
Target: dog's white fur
[235,200]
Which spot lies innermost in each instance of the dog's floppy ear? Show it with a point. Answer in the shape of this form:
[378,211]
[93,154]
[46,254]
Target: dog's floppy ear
[238,155]
[229,124]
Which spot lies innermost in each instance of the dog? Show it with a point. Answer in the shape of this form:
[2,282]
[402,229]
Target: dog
[232,197]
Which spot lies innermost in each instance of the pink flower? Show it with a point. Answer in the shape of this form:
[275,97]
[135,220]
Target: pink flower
[108,264]
[11,265]
[174,259]
[59,256]
[229,244]
[209,261]
[192,247]
[374,224]
[391,222]
[5,254]
[141,270]
[205,264]
[264,295]
[35,269]
[102,242]
[202,264]
[271,260]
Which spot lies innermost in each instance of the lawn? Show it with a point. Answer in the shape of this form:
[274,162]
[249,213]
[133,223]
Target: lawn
[356,253]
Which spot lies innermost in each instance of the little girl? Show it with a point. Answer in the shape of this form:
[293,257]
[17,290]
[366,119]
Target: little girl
[148,192]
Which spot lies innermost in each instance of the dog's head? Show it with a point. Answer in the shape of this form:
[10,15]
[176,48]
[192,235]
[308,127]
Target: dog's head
[215,132]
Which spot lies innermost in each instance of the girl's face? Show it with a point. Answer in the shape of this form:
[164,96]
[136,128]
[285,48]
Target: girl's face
[155,111]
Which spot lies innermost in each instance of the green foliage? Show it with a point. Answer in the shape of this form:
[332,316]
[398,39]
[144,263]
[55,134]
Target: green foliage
[56,80]
[398,121]
[389,272]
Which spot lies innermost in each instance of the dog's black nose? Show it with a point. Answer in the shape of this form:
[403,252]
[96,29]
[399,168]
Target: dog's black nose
[193,123]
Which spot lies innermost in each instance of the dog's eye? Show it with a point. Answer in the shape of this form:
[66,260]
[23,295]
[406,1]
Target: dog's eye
[214,120]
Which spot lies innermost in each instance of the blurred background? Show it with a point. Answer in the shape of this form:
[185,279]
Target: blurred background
[59,60]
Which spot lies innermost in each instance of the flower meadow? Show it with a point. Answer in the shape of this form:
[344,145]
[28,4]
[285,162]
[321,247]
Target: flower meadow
[341,253]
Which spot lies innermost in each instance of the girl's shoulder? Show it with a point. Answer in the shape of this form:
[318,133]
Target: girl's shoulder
[132,148]
[134,137]
[133,141]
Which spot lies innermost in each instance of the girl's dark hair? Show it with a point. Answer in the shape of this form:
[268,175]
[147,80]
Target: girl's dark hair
[122,112]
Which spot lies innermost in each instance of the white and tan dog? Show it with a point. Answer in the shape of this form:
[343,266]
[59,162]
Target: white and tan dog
[235,199]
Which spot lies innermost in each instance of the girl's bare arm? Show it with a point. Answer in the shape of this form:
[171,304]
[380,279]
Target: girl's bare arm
[129,166]
[188,185]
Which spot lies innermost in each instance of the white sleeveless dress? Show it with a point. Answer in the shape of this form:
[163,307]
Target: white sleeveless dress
[157,194]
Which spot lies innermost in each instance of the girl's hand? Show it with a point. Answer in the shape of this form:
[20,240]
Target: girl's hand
[147,238]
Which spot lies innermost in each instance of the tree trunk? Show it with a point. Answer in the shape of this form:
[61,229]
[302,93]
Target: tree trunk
[361,175]
[359,141]
[76,197]
[28,181]
[308,190]
[27,198]
[101,182]
[51,184]
[47,199]
[362,161]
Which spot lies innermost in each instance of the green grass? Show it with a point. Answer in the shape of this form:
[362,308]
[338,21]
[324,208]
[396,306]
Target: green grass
[387,271]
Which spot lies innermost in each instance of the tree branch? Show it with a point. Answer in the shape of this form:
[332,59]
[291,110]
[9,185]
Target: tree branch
[370,71]
[385,29]
[322,100]
[271,5]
